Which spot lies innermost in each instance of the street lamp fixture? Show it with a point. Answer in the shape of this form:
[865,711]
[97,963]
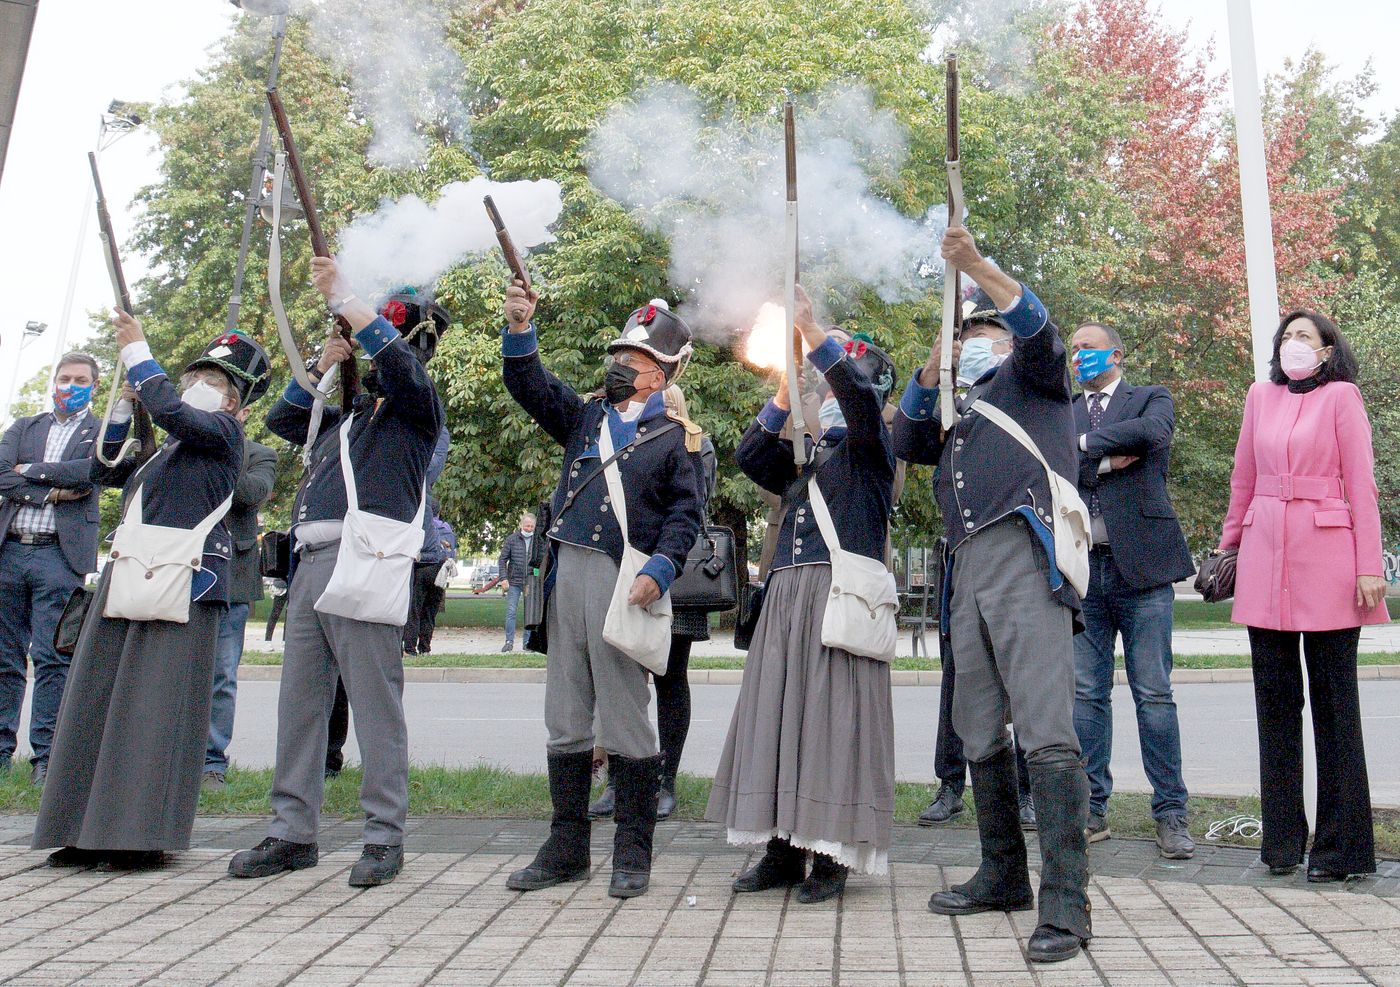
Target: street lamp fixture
[33,330]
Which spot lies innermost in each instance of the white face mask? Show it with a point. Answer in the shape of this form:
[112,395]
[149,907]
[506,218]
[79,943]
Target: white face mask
[203,396]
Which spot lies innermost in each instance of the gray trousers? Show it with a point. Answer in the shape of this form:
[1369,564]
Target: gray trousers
[584,671]
[369,659]
[1014,644]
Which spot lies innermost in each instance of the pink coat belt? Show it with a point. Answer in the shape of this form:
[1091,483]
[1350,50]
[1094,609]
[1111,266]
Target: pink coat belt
[1289,486]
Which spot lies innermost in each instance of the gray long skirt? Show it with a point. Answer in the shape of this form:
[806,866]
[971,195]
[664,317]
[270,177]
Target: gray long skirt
[128,751]
[810,752]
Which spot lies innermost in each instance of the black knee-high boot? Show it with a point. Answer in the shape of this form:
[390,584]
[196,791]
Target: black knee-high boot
[1061,793]
[564,856]
[636,781]
[1002,882]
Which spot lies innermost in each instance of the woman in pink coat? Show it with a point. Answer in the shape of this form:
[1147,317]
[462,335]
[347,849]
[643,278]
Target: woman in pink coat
[1303,515]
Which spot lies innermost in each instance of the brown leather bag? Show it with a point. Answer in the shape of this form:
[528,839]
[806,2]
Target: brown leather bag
[1216,579]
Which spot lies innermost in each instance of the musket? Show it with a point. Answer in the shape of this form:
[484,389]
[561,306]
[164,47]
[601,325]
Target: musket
[349,370]
[799,424]
[952,280]
[513,261]
[145,435]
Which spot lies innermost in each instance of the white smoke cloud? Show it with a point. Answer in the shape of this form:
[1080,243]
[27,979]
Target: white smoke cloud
[1003,32]
[403,73]
[412,242]
[714,187]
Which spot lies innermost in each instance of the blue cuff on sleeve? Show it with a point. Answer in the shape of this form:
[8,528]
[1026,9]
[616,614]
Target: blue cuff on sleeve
[375,336]
[515,344]
[142,372]
[919,402]
[116,431]
[296,395]
[827,355]
[660,568]
[772,418]
[1028,316]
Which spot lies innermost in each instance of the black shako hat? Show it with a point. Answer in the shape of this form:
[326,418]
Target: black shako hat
[658,332]
[981,308]
[874,362]
[419,320]
[243,359]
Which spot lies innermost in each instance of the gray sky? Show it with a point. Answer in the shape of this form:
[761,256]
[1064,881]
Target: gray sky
[86,53]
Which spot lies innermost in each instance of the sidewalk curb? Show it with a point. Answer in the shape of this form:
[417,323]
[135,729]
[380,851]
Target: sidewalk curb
[733,676]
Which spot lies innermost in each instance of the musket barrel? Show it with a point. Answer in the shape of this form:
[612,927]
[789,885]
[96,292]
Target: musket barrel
[513,261]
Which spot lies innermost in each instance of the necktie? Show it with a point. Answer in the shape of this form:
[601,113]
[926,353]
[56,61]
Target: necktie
[1095,420]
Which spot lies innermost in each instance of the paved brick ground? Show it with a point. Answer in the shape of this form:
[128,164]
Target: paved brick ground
[450,920]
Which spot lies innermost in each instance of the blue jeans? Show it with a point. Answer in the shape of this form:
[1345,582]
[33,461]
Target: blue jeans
[35,584]
[230,652]
[1144,618]
[512,603]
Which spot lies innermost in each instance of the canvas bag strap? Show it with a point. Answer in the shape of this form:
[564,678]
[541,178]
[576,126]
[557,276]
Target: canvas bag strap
[352,494]
[824,522]
[1011,427]
[614,477]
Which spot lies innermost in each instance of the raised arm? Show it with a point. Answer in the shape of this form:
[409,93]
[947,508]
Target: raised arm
[554,405]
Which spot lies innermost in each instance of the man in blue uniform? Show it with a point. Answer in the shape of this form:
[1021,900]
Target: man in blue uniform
[655,457]
[1012,606]
[388,444]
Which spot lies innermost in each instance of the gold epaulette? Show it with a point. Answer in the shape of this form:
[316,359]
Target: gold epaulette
[693,432]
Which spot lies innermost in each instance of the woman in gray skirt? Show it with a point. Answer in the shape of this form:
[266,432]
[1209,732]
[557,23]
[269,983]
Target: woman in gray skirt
[808,765]
[128,753]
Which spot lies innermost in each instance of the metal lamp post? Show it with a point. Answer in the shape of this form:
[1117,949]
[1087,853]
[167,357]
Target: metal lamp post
[32,331]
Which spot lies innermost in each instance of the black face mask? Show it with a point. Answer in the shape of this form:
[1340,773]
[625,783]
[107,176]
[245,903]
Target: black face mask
[619,383]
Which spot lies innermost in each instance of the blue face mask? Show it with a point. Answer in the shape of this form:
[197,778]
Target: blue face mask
[831,415]
[1088,364]
[976,359]
[71,400]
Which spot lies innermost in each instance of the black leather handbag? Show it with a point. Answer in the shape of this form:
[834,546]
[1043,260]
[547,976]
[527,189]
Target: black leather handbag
[70,624]
[275,554]
[1216,579]
[710,581]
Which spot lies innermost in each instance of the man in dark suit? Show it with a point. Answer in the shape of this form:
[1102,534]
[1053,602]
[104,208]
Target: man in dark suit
[245,588]
[1125,435]
[49,525]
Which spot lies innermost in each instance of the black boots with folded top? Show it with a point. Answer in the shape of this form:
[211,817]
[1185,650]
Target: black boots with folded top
[564,856]
[1060,792]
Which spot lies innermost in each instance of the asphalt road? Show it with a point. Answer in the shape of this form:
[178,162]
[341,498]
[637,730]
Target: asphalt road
[503,725]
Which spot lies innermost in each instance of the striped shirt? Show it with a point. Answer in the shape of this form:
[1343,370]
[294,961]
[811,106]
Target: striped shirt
[40,520]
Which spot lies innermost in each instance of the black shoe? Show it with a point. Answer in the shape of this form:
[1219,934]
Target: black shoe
[946,805]
[410,652]
[637,781]
[378,864]
[955,902]
[1097,830]
[332,773]
[1027,812]
[564,856]
[827,880]
[1282,870]
[71,856]
[1321,875]
[1049,944]
[273,856]
[507,647]
[38,773]
[134,859]
[781,866]
[1174,839]
[425,648]
[607,802]
[665,800]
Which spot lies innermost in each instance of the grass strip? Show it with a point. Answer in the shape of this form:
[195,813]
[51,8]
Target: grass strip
[532,660]
[489,793]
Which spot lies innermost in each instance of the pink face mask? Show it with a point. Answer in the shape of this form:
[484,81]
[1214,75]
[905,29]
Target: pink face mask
[1298,360]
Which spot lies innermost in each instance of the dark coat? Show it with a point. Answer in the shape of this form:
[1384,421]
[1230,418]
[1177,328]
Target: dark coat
[76,520]
[984,475]
[192,474]
[856,471]
[1143,531]
[663,499]
[253,489]
[514,562]
[391,440]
